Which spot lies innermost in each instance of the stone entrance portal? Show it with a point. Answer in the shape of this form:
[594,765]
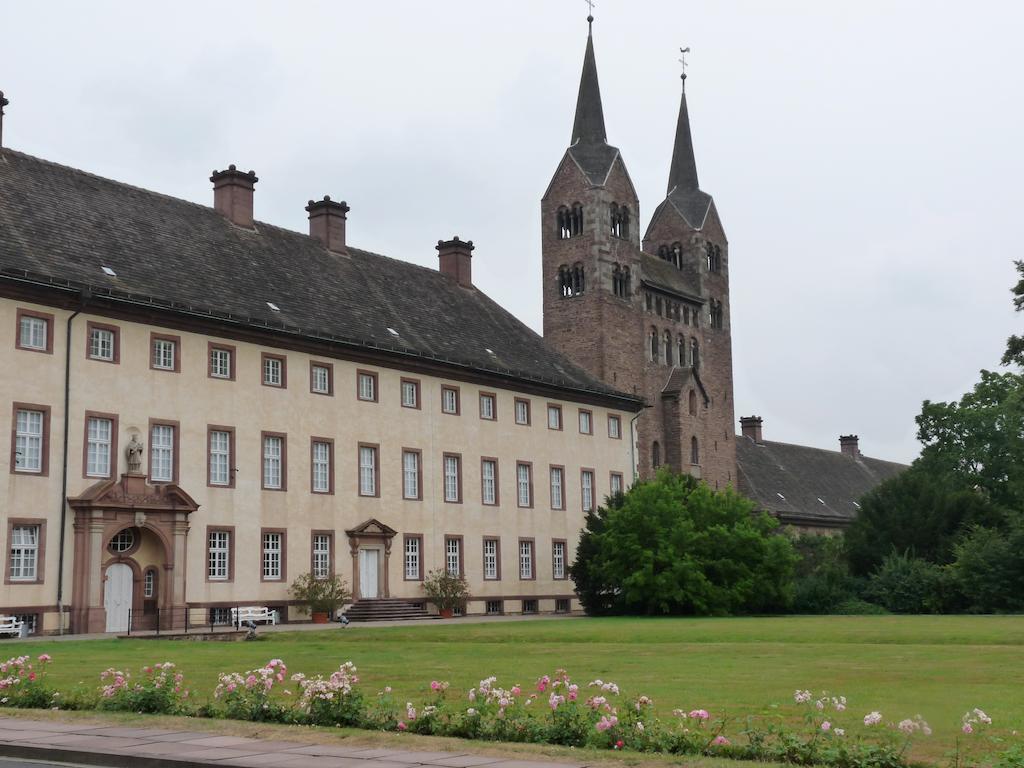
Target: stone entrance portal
[130,553]
[370,545]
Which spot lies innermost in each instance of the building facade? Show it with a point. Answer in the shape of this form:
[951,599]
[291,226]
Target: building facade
[649,316]
[203,407]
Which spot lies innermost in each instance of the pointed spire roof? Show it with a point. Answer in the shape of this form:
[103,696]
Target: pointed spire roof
[684,192]
[589,146]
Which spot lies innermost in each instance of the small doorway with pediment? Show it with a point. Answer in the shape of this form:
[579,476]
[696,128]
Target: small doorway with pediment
[370,547]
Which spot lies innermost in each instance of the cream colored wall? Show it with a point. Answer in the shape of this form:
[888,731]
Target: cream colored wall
[137,394]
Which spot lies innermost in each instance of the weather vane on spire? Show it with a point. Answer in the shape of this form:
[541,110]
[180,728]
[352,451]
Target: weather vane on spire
[682,59]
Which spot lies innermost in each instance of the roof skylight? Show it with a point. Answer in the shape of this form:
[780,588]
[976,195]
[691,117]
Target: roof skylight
[109,272]
[273,306]
[392,331]
[780,495]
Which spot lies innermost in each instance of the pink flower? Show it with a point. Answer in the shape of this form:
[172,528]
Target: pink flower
[873,718]
[720,741]
[619,744]
[968,728]
[699,714]
[516,690]
[402,726]
[45,658]
[826,725]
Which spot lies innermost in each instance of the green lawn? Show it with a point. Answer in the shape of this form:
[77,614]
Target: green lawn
[938,667]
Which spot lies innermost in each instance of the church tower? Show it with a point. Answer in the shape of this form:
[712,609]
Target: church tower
[653,321]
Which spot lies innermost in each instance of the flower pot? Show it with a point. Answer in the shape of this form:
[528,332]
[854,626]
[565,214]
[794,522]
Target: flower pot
[320,617]
[446,613]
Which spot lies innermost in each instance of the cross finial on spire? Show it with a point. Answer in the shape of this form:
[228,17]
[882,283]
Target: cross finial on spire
[590,16]
[682,59]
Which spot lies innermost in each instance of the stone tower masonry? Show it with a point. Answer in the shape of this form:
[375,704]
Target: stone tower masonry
[651,320]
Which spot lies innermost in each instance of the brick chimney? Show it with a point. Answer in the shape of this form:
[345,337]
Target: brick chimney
[232,195]
[3,103]
[750,426]
[456,258]
[848,445]
[327,223]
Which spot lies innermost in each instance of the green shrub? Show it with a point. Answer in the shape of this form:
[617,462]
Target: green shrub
[857,607]
[989,568]
[823,580]
[159,691]
[905,584]
[23,683]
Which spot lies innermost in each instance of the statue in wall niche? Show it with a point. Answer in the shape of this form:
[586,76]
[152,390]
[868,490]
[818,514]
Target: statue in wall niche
[133,451]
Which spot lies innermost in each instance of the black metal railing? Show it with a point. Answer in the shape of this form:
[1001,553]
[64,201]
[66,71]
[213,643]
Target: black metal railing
[192,620]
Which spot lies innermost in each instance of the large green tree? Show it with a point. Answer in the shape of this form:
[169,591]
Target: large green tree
[1015,344]
[672,545]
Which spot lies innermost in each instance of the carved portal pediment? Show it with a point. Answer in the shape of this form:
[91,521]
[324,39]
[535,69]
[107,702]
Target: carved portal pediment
[133,492]
[372,529]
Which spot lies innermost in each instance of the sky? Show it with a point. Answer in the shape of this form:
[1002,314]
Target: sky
[865,156]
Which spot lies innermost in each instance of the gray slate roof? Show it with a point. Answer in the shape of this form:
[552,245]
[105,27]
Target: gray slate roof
[800,484]
[65,224]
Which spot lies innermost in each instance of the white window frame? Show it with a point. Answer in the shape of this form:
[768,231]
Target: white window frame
[522,412]
[219,458]
[367,470]
[149,583]
[24,552]
[273,371]
[449,400]
[615,479]
[554,417]
[586,418]
[161,453]
[614,427]
[412,558]
[410,394]
[321,556]
[367,387]
[220,363]
[491,559]
[453,556]
[320,376]
[273,551]
[33,332]
[587,489]
[452,478]
[489,482]
[488,406]
[321,459]
[273,462]
[101,344]
[164,352]
[524,497]
[526,560]
[410,475]
[98,444]
[29,438]
[218,544]
[558,559]
[557,488]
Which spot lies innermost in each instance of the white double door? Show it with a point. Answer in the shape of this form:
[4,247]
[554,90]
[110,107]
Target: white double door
[117,596]
[369,574]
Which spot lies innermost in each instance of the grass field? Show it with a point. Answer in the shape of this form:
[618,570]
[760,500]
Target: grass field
[938,667]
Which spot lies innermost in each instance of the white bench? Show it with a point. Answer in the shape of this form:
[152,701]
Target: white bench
[10,625]
[253,613]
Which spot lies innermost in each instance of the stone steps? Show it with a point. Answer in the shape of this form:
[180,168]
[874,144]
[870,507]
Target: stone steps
[387,609]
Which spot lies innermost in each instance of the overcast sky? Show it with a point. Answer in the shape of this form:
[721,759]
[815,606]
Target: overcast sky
[865,156]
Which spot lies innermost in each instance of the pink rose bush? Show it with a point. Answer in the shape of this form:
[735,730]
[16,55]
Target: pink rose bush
[550,711]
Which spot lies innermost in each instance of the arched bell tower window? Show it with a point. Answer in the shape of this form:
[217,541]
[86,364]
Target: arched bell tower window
[571,280]
[681,351]
[655,455]
[676,255]
[714,258]
[694,451]
[695,353]
[693,403]
[569,221]
[717,314]
[652,340]
[620,281]
[668,348]
[619,221]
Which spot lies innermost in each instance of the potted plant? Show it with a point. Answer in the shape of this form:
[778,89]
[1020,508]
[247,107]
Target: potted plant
[445,590]
[321,597]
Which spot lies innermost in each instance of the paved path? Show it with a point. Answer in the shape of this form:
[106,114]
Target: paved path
[122,747]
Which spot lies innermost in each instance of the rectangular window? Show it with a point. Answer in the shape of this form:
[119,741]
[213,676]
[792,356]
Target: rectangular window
[525,559]
[529,606]
[494,608]
[273,371]
[24,560]
[34,332]
[103,343]
[219,555]
[522,411]
[29,439]
[586,422]
[488,407]
[524,484]
[149,583]
[410,393]
[220,617]
[272,556]
[562,605]
[410,474]
[450,400]
[273,462]
[491,572]
[99,433]
[615,426]
[161,453]
[413,546]
[321,460]
[220,457]
[453,556]
[489,481]
[367,470]
[164,353]
[587,489]
[321,555]
[615,482]
[366,386]
[452,478]
[557,484]
[554,417]
[222,362]
[558,559]
[321,379]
